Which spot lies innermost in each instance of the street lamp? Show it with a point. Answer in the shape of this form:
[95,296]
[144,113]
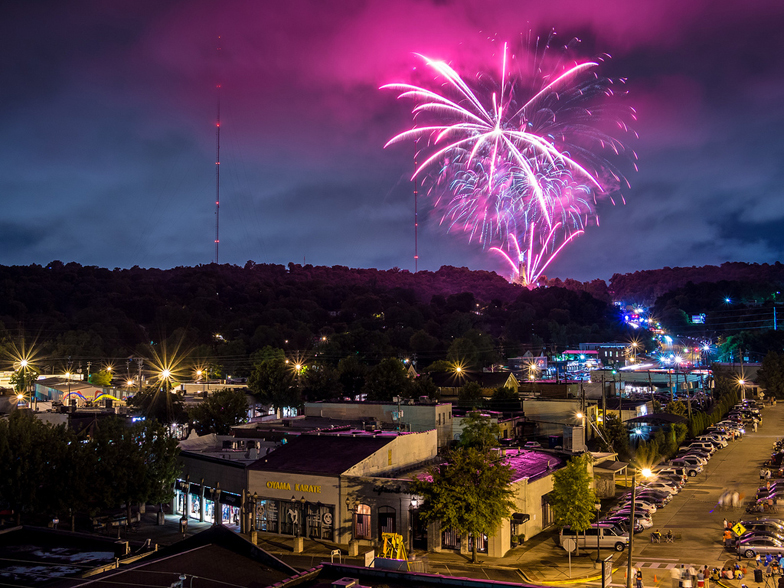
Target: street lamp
[742,383]
[645,473]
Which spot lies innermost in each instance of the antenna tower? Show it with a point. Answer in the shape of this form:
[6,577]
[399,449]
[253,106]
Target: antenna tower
[217,171]
[416,214]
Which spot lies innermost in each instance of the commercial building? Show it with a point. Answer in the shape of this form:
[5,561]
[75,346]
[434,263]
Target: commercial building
[408,415]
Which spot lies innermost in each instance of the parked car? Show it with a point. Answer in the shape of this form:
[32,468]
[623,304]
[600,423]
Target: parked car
[757,545]
[639,504]
[643,517]
[623,522]
[661,485]
[532,445]
[601,534]
[691,466]
[764,525]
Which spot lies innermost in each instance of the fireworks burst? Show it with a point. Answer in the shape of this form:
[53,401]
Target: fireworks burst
[523,160]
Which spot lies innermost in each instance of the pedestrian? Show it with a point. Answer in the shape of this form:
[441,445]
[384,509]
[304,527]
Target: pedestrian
[762,473]
[701,578]
[726,525]
[692,575]
[685,577]
[675,574]
[727,538]
[755,426]
[735,499]
[767,474]
[638,581]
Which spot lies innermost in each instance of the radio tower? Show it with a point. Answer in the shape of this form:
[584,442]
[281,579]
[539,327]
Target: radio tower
[217,172]
[416,216]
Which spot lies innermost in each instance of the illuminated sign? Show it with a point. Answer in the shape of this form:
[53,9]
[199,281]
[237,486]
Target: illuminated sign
[297,487]
[698,319]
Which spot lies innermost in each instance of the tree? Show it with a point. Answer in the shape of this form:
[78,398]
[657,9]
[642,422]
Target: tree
[138,463]
[676,407]
[503,398]
[352,375]
[469,493]
[23,379]
[387,380]
[463,352]
[771,374]
[322,382]
[425,386]
[159,403]
[273,382]
[220,412]
[614,436]
[102,378]
[572,498]
[470,395]
[479,432]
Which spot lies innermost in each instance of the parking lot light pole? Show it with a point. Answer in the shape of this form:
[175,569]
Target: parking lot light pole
[598,506]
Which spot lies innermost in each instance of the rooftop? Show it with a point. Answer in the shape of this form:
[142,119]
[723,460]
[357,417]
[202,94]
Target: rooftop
[323,454]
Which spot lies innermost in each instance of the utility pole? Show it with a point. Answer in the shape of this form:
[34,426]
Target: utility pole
[604,402]
[140,362]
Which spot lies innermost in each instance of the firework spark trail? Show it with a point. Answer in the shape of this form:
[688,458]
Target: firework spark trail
[522,164]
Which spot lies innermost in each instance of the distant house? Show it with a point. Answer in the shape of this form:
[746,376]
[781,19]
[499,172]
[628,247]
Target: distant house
[449,383]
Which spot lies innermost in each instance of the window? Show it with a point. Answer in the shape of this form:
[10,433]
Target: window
[362,522]
[450,539]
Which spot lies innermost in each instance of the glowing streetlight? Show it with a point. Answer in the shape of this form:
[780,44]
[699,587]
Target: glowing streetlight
[166,374]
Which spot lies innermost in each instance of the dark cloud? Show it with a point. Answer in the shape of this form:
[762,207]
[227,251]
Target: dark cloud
[108,114]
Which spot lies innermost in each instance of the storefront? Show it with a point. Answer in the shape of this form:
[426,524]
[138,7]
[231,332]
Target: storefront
[297,518]
[205,505]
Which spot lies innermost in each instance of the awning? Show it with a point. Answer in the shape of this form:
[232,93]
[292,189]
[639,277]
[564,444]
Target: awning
[520,518]
[610,466]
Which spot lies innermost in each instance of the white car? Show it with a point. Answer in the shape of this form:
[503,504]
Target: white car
[658,485]
[639,504]
[532,445]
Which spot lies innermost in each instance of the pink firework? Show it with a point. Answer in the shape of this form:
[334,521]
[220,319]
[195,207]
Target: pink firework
[520,166]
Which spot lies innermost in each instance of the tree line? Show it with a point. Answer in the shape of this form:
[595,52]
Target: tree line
[50,471]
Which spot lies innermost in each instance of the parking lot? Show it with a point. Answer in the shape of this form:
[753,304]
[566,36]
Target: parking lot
[694,517]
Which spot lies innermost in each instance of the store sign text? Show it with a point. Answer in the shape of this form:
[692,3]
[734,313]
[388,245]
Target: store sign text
[297,487]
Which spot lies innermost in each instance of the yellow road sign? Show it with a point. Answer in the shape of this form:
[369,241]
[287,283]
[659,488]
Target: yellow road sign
[739,529]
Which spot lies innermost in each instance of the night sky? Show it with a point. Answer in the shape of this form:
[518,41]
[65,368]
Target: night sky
[108,113]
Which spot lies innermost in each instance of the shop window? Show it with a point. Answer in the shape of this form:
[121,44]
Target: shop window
[547,515]
[320,521]
[362,522]
[387,520]
[450,539]
[481,546]
[267,516]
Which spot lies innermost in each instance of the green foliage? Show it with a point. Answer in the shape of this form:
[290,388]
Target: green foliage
[479,432]
[23,380]
[463,352]
[352,375]
[440,365]
[273,382]
[322,382]
[159,403]
[470,395]
[676,407]
[219,412]
[469,493]
[572,498]
[771,374]
[388,379]
[424,386]
[614,437]
[504,399]
[102,378]
[47,471]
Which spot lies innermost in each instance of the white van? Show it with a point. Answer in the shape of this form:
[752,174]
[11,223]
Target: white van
[606,535]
